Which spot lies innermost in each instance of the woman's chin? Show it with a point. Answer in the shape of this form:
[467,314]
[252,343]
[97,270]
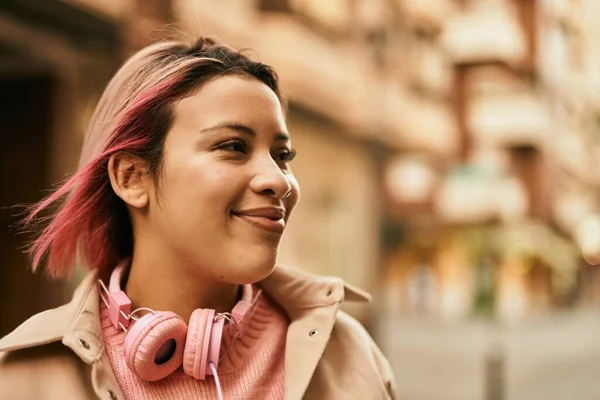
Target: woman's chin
[255,269]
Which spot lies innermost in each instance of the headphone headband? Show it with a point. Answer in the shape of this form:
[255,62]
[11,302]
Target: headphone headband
[119,304]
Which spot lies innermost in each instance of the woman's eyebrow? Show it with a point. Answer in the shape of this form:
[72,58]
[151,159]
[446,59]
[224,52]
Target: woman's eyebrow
[234,126]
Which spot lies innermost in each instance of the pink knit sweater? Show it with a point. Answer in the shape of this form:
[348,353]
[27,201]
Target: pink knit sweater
[252,368]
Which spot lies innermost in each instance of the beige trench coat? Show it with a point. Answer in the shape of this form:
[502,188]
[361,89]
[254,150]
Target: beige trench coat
[59,353]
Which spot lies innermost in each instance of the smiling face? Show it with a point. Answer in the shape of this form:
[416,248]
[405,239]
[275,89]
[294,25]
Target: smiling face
[226,190]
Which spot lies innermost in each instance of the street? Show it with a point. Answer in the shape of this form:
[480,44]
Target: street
[545,358]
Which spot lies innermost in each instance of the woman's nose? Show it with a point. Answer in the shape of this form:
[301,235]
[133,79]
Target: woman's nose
[271,180]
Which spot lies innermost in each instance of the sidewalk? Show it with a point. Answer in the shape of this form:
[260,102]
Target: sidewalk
[550,358]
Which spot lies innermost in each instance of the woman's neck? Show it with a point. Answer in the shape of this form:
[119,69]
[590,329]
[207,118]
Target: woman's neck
[162,285]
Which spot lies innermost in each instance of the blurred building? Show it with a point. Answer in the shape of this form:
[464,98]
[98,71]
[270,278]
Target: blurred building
[446,147]
[508,225]
[54,58]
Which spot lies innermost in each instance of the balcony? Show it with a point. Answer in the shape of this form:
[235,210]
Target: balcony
[570,153]
[315,72]
[470,195]
[415,122]
[508,120]
[429,15]
[488,33]
[429,67]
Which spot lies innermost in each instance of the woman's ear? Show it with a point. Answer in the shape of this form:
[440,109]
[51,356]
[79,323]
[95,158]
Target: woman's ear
[129,179]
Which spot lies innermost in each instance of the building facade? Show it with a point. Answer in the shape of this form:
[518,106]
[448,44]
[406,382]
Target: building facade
[446,148]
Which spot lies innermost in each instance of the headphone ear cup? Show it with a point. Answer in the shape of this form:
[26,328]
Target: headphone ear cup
[195,358]
[154,345]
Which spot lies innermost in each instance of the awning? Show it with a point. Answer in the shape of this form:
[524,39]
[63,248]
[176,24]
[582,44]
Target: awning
[81,27]
[537,239]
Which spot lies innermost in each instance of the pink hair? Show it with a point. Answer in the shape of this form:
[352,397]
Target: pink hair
[132,116]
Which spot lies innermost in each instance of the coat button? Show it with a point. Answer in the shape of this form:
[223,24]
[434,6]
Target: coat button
[84,344]
[312,333]
[112,395]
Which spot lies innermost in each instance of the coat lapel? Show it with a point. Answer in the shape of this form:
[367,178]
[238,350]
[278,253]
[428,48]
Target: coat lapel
[51,325]
[311,303]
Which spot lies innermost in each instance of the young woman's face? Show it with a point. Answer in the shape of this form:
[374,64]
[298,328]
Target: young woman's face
[226,191]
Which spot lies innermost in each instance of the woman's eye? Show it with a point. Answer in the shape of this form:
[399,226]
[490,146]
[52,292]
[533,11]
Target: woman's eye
[286,156]
[237,146]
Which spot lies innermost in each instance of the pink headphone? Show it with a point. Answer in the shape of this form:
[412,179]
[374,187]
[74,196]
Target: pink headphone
[160,341]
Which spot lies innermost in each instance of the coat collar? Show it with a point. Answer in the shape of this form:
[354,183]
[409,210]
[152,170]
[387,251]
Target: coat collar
[77,324]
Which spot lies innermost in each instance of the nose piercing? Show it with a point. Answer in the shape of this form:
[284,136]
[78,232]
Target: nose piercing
[288,193]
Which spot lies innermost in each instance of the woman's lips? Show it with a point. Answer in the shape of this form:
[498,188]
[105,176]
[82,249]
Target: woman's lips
[264,223]
[271,219]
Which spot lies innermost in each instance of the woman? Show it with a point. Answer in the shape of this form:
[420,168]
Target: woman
[178,207]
